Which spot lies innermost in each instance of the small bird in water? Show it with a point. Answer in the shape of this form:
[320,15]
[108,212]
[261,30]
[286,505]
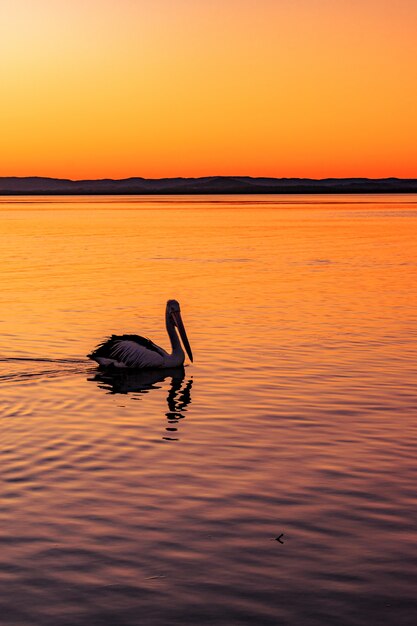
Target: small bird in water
[135,352]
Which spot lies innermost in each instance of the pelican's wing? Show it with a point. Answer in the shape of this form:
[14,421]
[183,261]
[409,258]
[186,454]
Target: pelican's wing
[129,350]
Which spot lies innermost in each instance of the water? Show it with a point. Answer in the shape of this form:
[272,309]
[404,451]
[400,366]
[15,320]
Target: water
[159,499]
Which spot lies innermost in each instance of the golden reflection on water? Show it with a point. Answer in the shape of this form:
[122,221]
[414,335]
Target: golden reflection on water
[296,417]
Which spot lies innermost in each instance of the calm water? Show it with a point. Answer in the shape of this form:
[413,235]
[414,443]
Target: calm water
[152,500]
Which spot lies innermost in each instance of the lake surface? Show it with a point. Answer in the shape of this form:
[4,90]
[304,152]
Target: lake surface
[152,500]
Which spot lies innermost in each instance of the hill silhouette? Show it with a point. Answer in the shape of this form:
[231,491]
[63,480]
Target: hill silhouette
[35,185]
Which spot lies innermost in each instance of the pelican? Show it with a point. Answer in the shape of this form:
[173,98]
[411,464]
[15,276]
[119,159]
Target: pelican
[135,352]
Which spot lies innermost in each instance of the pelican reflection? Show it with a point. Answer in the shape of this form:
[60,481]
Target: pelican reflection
[143,381]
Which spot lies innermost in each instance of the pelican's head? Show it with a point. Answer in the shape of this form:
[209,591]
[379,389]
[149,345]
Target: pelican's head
[173,313]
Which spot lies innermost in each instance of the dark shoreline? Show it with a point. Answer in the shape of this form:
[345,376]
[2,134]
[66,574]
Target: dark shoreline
[201,193]
[213,185]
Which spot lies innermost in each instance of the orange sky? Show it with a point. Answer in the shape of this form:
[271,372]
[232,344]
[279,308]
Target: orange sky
[118,88]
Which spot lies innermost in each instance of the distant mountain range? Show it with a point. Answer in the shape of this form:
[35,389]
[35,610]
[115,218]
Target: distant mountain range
[206,185]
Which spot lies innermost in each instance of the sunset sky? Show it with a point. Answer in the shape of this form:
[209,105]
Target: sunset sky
[154,88]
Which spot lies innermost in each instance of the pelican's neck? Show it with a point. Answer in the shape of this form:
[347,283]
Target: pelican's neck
[172,333]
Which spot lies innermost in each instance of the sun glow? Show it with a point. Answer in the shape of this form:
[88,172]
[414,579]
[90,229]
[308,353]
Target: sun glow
[98,88]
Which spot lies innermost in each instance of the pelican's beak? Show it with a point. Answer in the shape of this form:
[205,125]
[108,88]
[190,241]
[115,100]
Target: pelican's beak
[178,322]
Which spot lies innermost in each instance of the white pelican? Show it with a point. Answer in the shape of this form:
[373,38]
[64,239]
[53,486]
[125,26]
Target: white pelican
[137,352]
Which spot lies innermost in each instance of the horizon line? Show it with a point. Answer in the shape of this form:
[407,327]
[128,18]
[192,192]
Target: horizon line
[209,176]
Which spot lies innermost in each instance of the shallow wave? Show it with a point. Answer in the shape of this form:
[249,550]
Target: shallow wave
[63,367]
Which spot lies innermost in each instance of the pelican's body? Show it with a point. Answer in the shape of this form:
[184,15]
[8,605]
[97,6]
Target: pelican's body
[135,352]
